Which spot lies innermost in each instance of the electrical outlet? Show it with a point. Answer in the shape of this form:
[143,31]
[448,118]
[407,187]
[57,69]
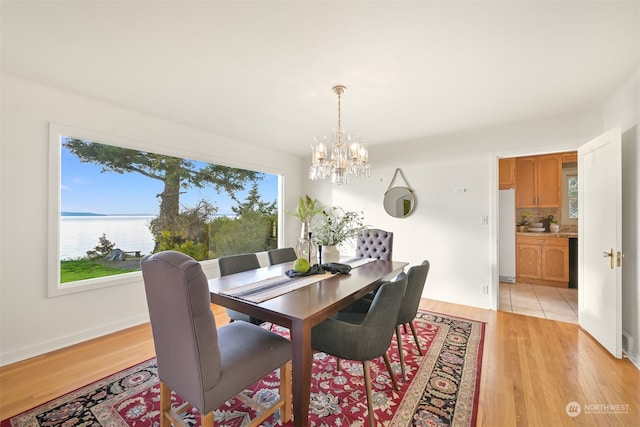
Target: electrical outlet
[484,289]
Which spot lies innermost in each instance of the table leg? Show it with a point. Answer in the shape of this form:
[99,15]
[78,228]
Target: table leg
[302,359]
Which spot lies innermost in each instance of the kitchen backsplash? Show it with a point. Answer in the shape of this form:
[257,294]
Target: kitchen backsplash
[540,214]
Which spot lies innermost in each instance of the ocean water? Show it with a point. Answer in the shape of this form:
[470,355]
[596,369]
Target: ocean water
[79,234]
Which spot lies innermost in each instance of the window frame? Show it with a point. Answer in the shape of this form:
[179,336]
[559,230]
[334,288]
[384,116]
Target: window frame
[56,132]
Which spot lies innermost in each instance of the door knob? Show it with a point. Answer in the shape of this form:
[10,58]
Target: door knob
[611,257]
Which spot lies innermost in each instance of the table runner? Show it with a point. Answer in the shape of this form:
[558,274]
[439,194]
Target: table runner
[272,287]
[275,286]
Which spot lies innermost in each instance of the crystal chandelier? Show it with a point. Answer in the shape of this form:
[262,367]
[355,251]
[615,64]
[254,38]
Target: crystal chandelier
[348,154]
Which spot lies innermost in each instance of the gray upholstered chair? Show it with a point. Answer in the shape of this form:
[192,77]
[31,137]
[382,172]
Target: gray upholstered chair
[375,243]
[204,365]
[281,255]
[364,336]
[416,279]
[235,264]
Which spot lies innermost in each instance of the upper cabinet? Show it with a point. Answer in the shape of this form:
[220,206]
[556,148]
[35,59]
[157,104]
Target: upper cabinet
[539,181]
[507,173]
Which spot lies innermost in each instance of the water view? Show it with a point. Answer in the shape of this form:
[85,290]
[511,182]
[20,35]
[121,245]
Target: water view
[78,234]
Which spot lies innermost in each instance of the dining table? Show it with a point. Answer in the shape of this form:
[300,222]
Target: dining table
[300,303]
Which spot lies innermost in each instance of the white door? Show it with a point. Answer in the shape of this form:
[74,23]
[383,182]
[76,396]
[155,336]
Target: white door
[600,239]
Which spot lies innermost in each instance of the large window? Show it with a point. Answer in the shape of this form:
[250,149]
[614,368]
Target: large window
[118,202]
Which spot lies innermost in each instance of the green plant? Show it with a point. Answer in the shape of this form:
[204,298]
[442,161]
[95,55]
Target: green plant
[307,208]
[524,218]
[334,226]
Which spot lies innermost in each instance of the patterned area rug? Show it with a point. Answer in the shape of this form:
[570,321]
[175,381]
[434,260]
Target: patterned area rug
[441,388]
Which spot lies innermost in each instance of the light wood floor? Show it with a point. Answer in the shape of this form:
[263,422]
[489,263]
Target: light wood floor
[532,369]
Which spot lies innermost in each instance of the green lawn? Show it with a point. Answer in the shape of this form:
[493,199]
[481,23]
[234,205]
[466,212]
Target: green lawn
[71,271]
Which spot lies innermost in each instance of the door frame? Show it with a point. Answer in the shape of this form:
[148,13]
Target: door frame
[494,288]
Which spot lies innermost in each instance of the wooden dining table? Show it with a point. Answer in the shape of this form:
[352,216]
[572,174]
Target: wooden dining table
[301,309]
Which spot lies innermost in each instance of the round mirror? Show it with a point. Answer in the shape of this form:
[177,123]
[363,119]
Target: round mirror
[399,202]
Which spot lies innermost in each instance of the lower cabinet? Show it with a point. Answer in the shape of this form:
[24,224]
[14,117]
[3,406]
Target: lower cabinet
[542,260]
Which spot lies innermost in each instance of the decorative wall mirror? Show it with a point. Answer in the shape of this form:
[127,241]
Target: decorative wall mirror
[399,201]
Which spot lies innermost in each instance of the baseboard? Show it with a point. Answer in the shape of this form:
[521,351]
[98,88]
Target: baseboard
[7,358]
[507,279]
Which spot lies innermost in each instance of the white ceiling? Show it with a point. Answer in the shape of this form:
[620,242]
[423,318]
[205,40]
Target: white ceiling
[262,71]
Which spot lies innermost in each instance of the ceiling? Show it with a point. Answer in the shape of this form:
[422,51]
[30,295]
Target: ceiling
[262,71]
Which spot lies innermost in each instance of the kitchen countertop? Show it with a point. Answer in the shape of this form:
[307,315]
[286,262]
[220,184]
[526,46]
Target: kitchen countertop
[546,234]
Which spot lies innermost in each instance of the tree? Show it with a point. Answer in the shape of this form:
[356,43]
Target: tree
[251,231]
[177,174]
[253,203]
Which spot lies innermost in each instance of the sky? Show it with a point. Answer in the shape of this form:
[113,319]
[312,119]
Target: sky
[85,189]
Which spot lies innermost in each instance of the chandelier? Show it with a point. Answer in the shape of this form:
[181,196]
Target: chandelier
[348,154]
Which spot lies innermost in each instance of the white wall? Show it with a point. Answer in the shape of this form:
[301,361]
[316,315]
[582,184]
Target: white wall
[445,227]
[31,323]
[623,110]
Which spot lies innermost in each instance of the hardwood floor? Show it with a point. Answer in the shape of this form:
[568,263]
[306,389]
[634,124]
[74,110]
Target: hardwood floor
[532,369]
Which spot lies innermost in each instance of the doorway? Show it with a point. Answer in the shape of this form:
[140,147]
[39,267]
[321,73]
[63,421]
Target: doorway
[539,289]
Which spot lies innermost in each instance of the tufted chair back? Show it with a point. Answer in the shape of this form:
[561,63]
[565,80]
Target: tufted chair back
[375,243]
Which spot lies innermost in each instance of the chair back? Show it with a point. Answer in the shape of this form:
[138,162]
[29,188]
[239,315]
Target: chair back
[375,243]
[281,255]
[377,326]
[237,263]
[182,323]
[417,276]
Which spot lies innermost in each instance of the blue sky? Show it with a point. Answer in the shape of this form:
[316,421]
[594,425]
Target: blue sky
[85,189]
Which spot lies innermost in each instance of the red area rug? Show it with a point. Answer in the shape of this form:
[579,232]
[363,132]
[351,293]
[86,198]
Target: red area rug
[441,388]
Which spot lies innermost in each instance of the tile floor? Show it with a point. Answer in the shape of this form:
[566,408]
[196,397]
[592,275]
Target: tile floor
[540,301]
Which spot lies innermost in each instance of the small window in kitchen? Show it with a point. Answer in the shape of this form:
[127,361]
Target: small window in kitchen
[572,195]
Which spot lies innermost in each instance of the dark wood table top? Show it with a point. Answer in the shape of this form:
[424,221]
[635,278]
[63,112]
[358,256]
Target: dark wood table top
[310,302]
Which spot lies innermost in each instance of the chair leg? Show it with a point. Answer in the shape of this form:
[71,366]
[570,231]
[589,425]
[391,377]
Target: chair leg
[337,363]
[415,338]
[206,420]
[385,356]
[165,405]
[401,352]
[367,385]
[285,391]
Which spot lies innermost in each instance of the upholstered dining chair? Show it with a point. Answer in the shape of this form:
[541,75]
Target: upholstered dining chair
[364,336]
[375,243]
[281,255]
[204,365]
[235,264]
[416,279]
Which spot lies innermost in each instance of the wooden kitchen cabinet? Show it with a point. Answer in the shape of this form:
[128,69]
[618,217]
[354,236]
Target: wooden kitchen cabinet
[539,181]
[507,173]
[542,260]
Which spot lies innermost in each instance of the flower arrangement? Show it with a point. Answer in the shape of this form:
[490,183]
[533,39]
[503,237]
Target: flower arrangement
[524,218]
[334,226]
